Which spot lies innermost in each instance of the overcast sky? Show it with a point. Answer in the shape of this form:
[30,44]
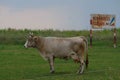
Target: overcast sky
[54,14]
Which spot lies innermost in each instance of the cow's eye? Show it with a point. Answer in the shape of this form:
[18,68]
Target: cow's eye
[30,39]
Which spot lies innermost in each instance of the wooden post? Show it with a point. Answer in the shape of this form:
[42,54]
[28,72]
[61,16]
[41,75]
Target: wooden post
[115,38]
[91,38]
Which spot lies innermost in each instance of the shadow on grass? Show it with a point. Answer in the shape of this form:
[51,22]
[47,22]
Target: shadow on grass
[56,74]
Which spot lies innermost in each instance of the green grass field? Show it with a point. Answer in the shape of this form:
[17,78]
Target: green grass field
[18,63]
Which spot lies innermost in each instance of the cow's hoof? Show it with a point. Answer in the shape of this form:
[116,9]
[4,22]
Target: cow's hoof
[52,72]
[79,72]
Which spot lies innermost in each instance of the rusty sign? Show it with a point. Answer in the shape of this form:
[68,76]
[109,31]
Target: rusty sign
[102,20]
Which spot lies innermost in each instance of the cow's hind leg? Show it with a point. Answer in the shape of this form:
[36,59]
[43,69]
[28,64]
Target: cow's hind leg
[51,62]
[81,68]
[82,63]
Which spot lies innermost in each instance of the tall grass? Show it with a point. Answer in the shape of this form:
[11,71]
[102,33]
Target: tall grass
[12,36]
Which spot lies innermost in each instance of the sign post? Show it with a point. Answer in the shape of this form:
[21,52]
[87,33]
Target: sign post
[115,38]
[101,21]
[91,38]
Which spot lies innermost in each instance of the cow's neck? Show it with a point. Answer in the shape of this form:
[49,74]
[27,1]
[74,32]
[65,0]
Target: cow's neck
[40,44]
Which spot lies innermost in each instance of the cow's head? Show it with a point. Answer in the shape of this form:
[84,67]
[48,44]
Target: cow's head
[31,41]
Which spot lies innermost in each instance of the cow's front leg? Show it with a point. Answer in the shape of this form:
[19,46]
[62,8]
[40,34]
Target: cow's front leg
[51,62]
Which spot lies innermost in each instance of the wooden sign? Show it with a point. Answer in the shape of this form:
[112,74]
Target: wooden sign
[102,20]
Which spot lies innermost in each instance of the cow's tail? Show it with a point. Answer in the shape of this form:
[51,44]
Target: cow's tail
[86,51]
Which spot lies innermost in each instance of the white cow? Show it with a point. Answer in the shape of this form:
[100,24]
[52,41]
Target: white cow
[57,47]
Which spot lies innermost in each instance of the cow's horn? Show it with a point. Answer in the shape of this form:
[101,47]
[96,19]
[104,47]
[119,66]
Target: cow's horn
[31,34]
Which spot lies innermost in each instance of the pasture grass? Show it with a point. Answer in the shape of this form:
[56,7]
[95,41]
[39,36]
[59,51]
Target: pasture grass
[18,63]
